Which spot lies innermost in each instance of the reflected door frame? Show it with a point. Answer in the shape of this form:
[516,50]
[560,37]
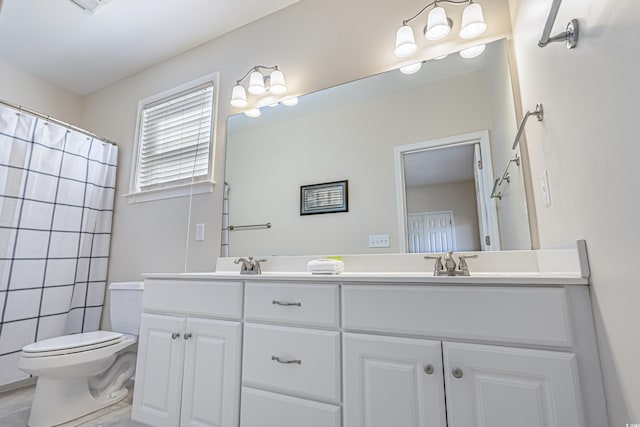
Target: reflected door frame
[485,174]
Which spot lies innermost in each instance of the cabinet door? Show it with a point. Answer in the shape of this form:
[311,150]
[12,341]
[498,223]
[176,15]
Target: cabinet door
[211,383]
[506,387]
[392,381]
[158,386]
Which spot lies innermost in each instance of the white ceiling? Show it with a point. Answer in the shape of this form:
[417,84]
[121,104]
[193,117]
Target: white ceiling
[57,41]
[443,165]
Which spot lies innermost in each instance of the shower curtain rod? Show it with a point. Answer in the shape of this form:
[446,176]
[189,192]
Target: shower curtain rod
[60,122]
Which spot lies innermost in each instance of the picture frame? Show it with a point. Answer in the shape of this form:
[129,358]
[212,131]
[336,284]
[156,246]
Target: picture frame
[327,197]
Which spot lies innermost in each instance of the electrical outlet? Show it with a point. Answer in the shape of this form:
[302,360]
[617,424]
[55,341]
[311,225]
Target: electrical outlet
[544,184]
[379,241]
[199,232]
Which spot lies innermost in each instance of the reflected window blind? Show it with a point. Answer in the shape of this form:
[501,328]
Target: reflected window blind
[175,139]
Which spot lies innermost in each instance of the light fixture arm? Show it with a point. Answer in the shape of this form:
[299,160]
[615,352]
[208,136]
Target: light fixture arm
[256,68]
[435,3]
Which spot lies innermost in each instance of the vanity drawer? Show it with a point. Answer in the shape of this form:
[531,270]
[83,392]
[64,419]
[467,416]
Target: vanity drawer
[298,304]
[524,315]
[197,297]
[264,409]
[314,356]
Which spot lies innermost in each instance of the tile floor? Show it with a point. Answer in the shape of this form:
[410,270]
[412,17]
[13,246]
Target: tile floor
[15,406]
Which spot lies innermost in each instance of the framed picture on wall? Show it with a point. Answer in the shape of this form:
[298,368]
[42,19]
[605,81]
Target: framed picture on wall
[329,197]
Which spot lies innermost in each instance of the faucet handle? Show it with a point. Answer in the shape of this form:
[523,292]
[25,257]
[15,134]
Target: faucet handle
[437,265]
[463,266]
[256,263]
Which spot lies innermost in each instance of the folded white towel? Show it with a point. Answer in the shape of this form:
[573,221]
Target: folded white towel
[325,266]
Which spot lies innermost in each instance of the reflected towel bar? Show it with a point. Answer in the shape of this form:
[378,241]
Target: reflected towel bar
[238,227]
[505,177]
[539,113]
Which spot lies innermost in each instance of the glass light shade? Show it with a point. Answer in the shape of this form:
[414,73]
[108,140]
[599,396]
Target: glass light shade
[256,83]
[441,56]
[239,97]
[437,24]
[405,42]
[290,102]
[254,112]
[472,22]
[411,68]
[472,52]
[277,86]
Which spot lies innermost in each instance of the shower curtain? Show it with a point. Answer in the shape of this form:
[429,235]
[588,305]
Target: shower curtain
[56,202]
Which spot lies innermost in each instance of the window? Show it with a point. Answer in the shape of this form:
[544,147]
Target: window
[174,143]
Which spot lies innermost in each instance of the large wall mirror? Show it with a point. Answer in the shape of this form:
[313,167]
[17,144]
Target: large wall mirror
[420,153]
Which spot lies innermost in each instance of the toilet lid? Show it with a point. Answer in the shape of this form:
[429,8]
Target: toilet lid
[73,343]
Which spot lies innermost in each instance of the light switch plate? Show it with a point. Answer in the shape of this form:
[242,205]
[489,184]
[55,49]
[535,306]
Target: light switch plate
[544,184]
[379,241]
[199,232]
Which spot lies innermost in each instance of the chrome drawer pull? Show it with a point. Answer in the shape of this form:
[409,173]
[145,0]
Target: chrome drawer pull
[175,335]
[286,304]
[286,362]
[187,336]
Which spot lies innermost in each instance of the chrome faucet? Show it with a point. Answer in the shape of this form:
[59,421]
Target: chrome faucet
[251,265]
[449,266]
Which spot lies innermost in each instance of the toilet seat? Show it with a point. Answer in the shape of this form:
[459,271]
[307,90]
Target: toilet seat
[69,344]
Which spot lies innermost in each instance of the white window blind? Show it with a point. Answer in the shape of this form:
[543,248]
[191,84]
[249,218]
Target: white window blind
[175,139]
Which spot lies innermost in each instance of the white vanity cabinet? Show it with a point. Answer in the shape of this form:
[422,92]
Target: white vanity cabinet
[405,381]
[402,381]
[352,351]
[188,367]
[291,369]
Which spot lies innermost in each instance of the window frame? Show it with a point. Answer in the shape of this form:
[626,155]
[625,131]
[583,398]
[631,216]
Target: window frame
[179,189]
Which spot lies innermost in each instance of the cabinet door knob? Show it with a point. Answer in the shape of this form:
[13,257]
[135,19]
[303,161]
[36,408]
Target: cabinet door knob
[428,369]
[187,336]
[286,304]
[457,372]
[175,335]
[286,362]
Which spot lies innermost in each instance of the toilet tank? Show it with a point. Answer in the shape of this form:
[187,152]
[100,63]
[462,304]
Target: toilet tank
[126,306]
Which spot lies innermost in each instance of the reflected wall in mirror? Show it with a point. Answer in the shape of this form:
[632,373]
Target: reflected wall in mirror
[350,132]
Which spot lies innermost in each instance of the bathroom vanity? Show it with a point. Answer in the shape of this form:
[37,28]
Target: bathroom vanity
[371,348]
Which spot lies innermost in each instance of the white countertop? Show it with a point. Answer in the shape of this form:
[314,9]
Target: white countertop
[535,279]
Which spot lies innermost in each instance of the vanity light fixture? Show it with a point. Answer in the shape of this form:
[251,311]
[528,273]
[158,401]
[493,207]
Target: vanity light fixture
[439,25]
[259,85]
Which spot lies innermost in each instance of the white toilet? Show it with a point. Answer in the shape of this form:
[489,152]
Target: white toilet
[81,373]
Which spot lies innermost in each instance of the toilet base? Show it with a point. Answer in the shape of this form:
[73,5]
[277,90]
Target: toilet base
[52,407]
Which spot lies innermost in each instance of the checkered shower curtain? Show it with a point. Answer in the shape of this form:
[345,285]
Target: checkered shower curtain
[56,202]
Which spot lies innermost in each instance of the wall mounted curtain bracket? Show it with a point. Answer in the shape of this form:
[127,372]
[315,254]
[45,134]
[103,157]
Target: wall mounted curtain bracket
[538,112]
[570,36]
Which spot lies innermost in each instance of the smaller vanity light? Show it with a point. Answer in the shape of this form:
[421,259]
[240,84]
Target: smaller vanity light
[405,42]
[253,113]
[438,25]
[256,83]
[267,89]
[441,56]
[472,52]
[290,102]
[239,97]
[276,85]
[472,21]
[411,68]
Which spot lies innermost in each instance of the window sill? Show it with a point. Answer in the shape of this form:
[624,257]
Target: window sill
[170,192]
